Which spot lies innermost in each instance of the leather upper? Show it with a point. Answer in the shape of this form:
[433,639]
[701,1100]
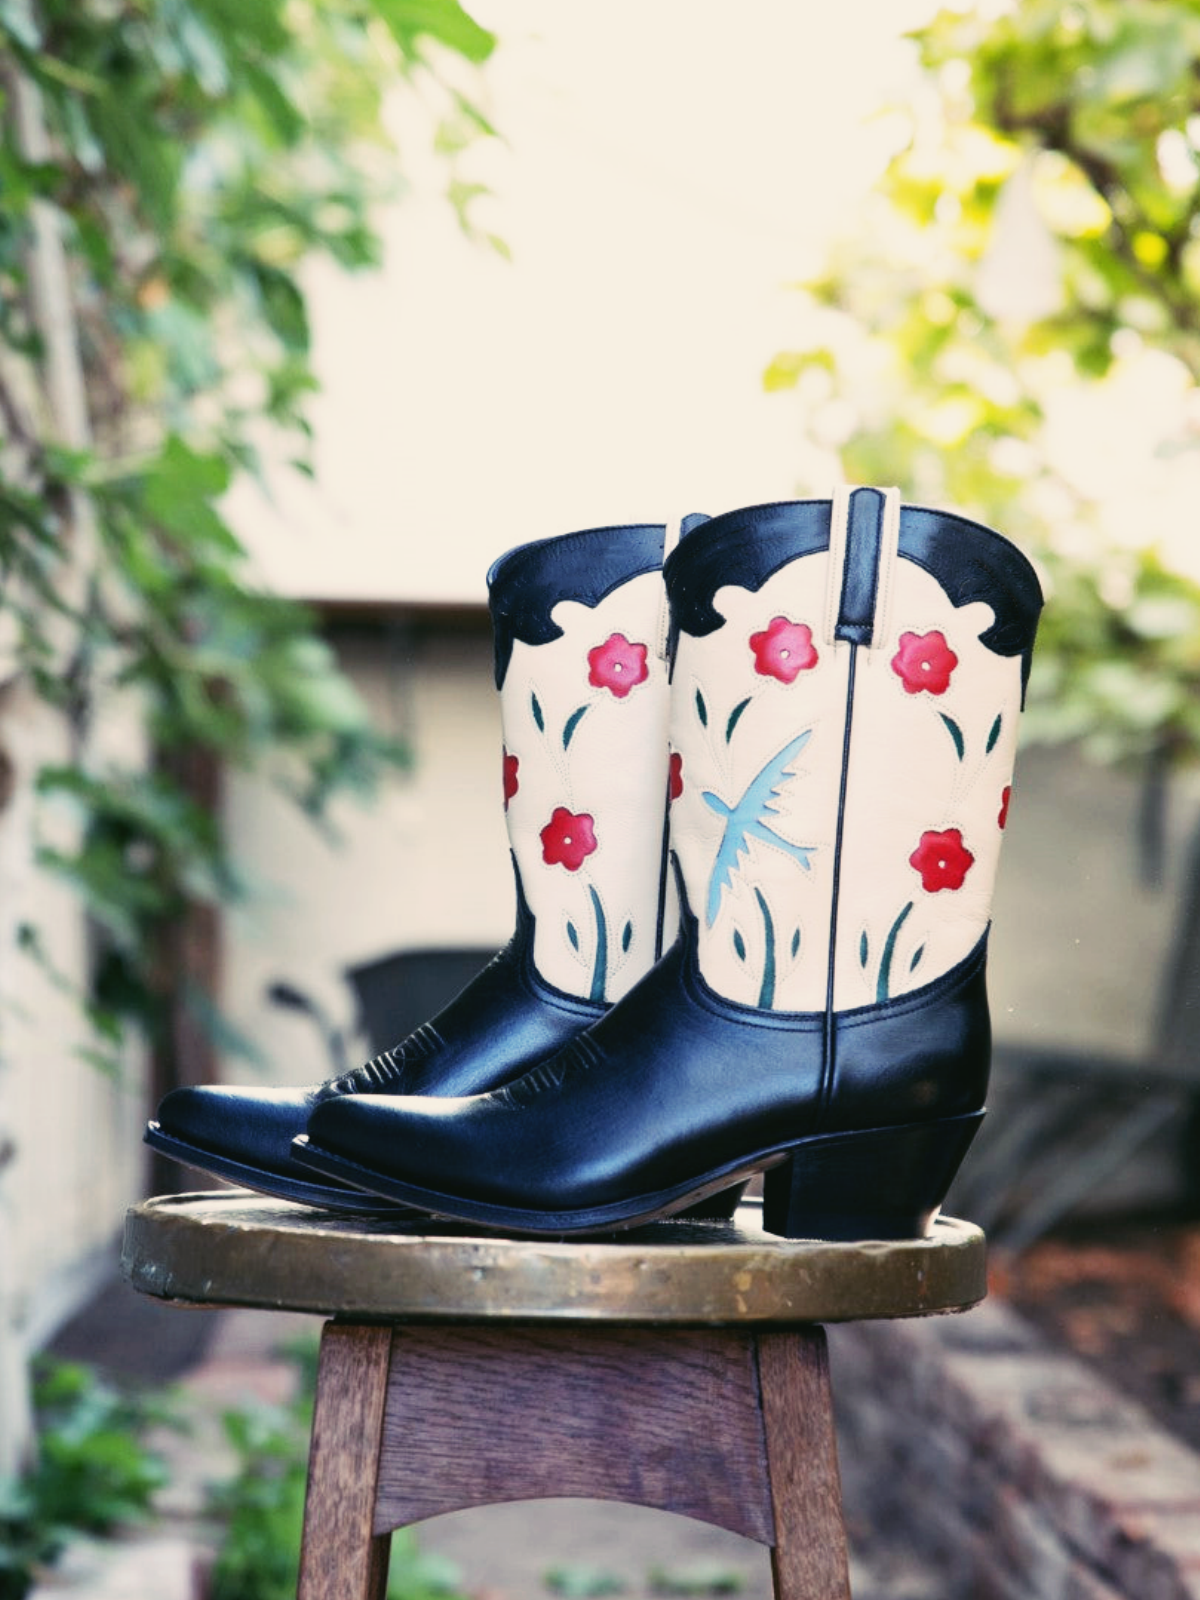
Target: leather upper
[673,1082]
[505,1019]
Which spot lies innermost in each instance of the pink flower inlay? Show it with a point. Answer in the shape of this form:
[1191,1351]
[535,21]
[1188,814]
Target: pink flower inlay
[1002,819]
[511,781]
[942,860]
[568,839]
[924,661]
[676,776]
[783,650]
[617,665]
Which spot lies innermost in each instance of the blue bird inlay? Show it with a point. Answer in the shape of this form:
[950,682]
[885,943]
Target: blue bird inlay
[747,820]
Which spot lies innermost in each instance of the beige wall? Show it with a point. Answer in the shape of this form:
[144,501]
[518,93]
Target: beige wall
[76,1133]
[426,865]
[1079,939]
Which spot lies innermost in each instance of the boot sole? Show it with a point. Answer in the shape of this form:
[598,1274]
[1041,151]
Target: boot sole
[879,1183]
[720,1204]
[266,1180]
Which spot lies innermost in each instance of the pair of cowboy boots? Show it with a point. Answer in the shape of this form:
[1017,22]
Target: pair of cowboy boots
[824,696]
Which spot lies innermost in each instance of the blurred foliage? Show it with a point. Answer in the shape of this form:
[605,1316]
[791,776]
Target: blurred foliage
[259,1510]
[191,156]
[1036,233]
[93,1472]
[577,1582]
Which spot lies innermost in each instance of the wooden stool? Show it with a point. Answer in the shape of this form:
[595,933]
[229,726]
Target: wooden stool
[682,1367]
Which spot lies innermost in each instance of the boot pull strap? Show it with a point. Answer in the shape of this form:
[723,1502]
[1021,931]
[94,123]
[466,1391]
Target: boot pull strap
[864,537]
[675,530]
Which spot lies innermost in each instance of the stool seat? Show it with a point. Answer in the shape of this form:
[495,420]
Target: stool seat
[235,1248]
[682,1366]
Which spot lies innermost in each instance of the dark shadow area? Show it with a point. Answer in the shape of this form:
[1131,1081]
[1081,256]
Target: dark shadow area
[130,1337]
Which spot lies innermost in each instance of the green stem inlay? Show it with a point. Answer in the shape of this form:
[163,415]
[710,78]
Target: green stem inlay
[600,964]
[889,950]
[735,717]
[572,723]
[766,994]
[955,732]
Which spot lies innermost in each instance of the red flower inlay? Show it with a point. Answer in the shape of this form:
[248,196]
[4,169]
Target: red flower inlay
[1002,819]
[942,860]
[924,661]
[567,839]
[511,781]
[783,650]
[617,665]
[676,778]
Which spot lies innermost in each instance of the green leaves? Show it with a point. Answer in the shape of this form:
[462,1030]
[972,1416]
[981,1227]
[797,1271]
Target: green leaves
[1067,136]
[93,1472]
[259,1509]
[200,151]
[584,1582]
[176,490]
[408,21]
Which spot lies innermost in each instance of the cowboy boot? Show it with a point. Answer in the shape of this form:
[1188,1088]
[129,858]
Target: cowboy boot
[583,696]
[845,693]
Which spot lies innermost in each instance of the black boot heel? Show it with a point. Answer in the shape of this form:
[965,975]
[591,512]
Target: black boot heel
[882,1183]
[718,1207]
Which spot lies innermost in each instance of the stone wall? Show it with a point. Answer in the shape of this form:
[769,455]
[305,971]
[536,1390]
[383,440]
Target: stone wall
[1007,1468]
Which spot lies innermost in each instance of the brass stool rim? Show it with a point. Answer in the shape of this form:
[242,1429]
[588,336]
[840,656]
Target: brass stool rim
[237,1248]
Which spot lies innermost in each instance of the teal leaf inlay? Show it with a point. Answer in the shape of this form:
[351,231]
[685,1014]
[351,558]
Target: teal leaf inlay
[734,717]
[701,709]
[766,993]
[796,944]
[600,964]
[626,937]
[573,935]
[955,732]
[739,944]
[995,733]
[913,964]
[864,949]
[889,951]
[536,707]
[572,723]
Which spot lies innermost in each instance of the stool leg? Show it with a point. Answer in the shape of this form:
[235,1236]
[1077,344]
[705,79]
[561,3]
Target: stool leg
[808,1558]
[341,1558]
